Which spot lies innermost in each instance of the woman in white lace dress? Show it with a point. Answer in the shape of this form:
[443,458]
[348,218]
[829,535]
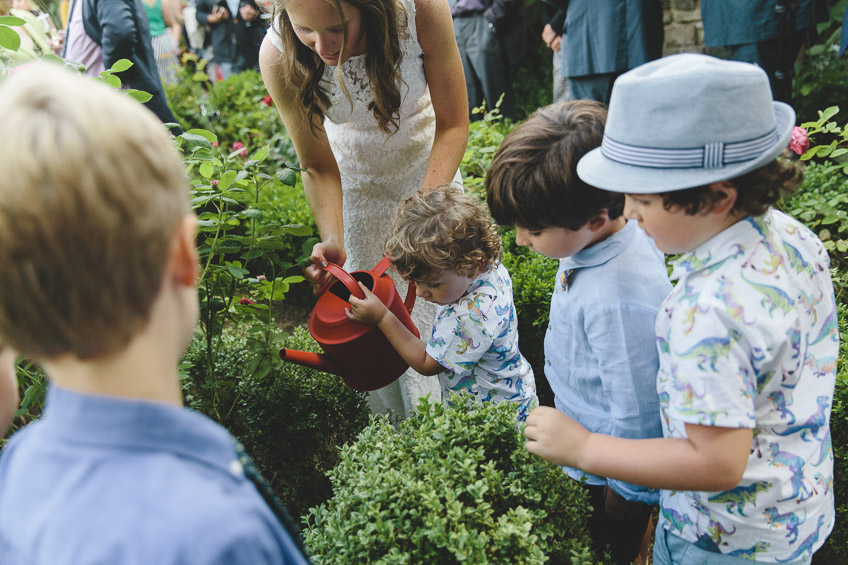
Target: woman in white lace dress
[373,96]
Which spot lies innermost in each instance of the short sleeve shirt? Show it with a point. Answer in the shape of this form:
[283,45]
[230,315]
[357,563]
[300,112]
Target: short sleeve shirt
[748,339]
[476,340]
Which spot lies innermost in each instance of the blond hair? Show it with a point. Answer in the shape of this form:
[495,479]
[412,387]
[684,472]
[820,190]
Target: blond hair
[440,229]
[91,191]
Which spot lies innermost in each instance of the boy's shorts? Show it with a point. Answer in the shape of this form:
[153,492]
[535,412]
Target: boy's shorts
[670,549]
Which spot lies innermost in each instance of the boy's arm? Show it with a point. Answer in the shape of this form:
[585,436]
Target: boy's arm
[413,350]
[708,459]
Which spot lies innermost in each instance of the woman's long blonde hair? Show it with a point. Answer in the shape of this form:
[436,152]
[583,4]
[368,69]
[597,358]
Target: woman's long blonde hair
[382,22]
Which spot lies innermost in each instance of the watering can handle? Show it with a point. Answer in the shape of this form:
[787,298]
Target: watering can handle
[381,268]
[346,279]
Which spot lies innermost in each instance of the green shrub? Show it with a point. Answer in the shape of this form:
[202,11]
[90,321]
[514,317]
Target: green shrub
[449,485]
[292,420]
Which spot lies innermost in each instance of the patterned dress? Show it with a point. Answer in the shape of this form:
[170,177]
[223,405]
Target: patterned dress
[476,340]
[378,170]
[748,339]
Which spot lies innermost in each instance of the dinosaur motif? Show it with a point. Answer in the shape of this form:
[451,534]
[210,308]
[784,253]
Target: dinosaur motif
[466,342]
[466,382]
[717,529]
[796,260]
[772,297]
[796,465]
[738,497]
[828,329]
[732,305]
[437,341]
[789,521]
[826,449]
[500,350]
[750,552]
[780,405]
[806,547]
[687,391]
[677,520]
[824,482]
[709,350]
[510,363]
[473,305]
[813,424]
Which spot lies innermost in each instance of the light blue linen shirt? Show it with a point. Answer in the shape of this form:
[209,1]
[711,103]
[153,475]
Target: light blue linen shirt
[600,349]
[106,480]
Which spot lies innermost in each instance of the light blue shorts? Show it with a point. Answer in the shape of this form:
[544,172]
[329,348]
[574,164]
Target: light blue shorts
[670,549]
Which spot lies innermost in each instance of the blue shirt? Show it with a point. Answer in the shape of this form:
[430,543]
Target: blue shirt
[106,480]
[600,349]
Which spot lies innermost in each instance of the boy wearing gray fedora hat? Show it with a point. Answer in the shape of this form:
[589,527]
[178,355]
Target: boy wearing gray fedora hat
[747,338]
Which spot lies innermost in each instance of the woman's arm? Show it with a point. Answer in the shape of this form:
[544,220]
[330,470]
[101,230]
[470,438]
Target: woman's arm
[446,80]
[321,179]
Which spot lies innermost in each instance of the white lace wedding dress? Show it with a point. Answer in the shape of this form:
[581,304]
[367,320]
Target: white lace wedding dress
[378,170]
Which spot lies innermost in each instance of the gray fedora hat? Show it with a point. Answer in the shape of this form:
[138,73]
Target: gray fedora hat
[684,121]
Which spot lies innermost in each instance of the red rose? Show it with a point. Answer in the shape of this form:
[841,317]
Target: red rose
[799,142]
[239,145]
[267,101]
[247,301]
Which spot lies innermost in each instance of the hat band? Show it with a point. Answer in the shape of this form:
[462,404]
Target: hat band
[710,156]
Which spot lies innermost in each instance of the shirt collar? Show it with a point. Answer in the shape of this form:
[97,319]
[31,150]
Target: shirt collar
[90,419]
[730,242]
[603,251]
[485,282]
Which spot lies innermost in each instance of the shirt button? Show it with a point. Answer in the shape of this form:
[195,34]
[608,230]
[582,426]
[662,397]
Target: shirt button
[236,468]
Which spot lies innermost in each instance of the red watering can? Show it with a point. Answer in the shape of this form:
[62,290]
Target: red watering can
[359,353]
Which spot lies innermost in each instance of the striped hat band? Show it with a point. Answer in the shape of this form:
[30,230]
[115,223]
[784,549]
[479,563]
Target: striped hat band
[709,156]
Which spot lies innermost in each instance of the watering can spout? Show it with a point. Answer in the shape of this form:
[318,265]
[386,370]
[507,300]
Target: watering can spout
[315,361]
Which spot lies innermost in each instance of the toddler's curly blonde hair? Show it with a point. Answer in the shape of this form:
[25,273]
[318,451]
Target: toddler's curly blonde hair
[440,229]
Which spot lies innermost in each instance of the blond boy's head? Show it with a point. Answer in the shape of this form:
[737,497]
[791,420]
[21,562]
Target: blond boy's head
[91,192]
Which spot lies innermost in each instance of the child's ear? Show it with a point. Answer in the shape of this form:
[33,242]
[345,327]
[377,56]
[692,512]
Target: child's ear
[183,262]
[726,192]
[598,221]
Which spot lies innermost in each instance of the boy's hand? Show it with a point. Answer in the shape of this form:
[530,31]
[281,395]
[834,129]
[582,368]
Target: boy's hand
[554,436]
[618,507]
[369,311]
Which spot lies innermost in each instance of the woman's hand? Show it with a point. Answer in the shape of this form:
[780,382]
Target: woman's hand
[369,311]
[323,253]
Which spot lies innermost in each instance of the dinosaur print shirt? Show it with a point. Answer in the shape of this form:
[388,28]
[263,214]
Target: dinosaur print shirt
[476,340]
[748,339]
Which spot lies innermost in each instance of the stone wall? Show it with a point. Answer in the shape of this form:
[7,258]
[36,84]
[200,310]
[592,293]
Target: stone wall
[684,32]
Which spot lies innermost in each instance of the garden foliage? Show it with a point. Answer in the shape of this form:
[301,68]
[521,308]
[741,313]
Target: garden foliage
[451,484]
[292,420]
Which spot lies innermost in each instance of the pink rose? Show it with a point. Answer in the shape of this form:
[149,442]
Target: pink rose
[239,145]
[260,278]
[800,142]
[267,101]
[215,144]
[214,182]
[247,301]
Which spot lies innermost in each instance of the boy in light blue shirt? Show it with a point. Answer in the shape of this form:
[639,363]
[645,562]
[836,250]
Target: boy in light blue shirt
[97,238]
[601,357]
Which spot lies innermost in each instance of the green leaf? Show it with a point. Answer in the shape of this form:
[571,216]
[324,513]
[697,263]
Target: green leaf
[139,95]
[287,177]
[111,80]
[830,112]
[237,272]
[12,21]
[204,133]
[227,180]
[206,170]
[297,229]
[121,65]
[193,140]
[9,39]
[253,214]
[262,154]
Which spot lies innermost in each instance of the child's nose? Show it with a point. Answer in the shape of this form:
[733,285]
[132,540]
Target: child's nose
[629,211]
[521,237]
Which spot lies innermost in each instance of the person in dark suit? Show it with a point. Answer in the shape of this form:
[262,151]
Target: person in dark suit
[767,33]
[250,31]
[221,16]
[601,40]
[491,36]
